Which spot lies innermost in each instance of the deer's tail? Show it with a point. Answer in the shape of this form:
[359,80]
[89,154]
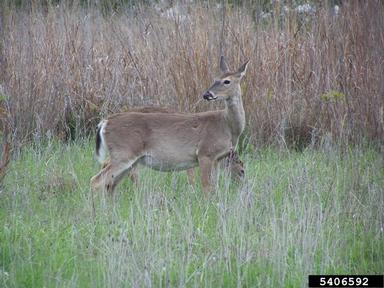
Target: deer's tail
[101,145]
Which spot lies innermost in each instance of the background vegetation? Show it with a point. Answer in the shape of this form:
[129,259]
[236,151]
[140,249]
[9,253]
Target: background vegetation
[315,69]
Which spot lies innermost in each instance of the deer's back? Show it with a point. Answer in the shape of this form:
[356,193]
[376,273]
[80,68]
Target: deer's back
[171,134]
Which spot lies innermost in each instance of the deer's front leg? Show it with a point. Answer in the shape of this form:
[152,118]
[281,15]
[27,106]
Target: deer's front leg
[206,170]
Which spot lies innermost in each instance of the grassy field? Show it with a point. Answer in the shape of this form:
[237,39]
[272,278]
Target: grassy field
[296,214]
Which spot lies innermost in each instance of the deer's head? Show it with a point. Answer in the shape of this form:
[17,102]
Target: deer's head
[228,84]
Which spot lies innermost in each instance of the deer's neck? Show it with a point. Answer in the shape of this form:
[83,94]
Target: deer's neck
[236,116]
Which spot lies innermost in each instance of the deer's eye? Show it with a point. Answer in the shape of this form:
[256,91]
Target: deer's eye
[227,82]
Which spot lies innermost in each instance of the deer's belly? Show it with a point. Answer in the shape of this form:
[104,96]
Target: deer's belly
[168,163]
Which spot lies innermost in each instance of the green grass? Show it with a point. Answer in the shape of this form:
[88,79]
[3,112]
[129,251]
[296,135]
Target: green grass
[297,214]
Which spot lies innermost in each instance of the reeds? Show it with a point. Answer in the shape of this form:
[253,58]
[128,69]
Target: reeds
[319,73]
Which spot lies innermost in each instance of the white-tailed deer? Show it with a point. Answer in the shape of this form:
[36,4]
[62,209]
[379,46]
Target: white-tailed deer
[231,164]
[173,141]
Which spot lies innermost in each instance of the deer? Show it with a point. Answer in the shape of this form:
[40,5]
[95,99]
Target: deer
[232,164]
[173,141]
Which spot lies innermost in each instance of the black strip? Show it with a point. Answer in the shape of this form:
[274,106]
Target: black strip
[98,140]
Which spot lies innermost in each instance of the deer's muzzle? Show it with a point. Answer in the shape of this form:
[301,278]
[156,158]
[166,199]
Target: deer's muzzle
[209,96]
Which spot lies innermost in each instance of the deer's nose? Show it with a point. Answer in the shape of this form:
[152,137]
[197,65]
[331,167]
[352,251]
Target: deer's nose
[208,95]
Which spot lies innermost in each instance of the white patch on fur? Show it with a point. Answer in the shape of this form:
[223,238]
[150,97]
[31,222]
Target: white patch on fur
[103,145]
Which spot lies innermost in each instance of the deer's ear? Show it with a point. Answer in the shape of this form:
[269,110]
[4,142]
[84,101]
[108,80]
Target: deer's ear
[242,70]
[223,65]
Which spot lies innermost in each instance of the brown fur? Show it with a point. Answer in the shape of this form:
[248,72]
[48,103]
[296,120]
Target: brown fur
[232,161]
[175,141]
[232,164]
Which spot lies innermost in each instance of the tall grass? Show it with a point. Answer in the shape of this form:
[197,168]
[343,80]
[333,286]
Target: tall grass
[64,67]
[315,212]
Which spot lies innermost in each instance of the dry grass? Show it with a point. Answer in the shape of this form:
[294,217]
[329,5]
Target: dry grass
[65,67]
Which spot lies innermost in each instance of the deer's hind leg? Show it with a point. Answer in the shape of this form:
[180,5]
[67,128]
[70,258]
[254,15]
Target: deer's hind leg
[132,173]
[97,180]
[111,175]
